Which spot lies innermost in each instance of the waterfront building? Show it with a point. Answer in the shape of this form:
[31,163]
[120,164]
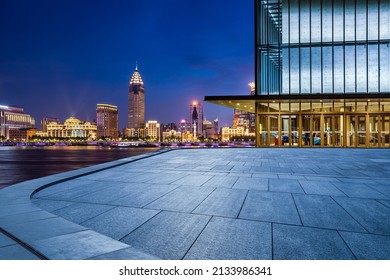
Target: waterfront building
[171,136]
[227,133]
[152,130]
[107,120]
[210,131]
[45,121]
[136,103]
[322,74]
[22,134]
[72,128]
[184,126]
[13,118]
[196,118]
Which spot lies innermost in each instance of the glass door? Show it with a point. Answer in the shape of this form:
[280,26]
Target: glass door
[385,136]
[316,130]
[374,123]
[361,130]
[351,131]
[328,131]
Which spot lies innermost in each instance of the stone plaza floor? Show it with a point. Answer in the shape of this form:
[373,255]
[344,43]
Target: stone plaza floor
[206,203]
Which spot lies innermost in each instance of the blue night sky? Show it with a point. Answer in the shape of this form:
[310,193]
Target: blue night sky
[62,57]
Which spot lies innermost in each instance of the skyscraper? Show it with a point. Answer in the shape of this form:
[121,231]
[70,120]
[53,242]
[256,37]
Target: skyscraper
[107,120]
[136,102]
[322,74]
[196,118]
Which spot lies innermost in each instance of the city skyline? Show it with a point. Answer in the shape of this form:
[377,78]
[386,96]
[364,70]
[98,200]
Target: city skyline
[62,59]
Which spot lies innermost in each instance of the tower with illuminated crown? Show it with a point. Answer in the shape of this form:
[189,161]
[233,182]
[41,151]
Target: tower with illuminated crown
[196,117]
[136,102]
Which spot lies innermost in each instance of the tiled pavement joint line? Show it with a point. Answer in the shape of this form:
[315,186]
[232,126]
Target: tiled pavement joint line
[145,156]
[345,242]
[379,201]
[272,241]
[197,237]
[24,245]
[242,205]
[202,201]
[296,208]
[161,196]
[367,231]
[120,239]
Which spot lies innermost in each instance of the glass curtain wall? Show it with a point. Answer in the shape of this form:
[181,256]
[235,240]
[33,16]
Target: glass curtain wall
[323,46]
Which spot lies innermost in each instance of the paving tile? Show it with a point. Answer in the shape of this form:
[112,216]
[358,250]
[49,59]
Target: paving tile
[285,185]
[233,239]
[42,229]
[77,246]
[320,188]
[249,183]
[120,221]
[322,178]
[222,202]
[114,192]
[303,243]
[16,252]
[221,182]
[222,167]
[5,240]
[165,178]
[368,246]
[25,217]
[50,205]
[193,180]
[381,187]
[359,190]
[385,202]
[6,210]
[168,235]
[323,212]
[125,254]
[183,199]
[80,190]
[142,194]
[270,207]
[80,212]
[63,186]
[372,215]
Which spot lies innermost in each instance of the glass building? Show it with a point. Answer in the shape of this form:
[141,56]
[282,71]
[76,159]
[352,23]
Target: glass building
[322,73]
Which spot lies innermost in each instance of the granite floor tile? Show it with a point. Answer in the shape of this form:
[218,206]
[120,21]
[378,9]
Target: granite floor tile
[233,239]
[193,180]
[320,188]
[183,199]
[120,221]
[25,217]
[5,240]
[323,212]
[381,187]
[359,190]
[125,254]
[63,187]
[168,235]
[6,210]
[80,212]
[83,189]
[385,202]
[303,243]
[77,246]
[372,215]
[16,252]
[43,229]
[270,207]
[165,178]
[222,202]
[368,246]
[50,205]
[285,185]
[221,182]
[142,194]
[249,183]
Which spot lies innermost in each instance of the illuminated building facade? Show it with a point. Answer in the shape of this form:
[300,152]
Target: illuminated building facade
[152,130]
[136,102]
[13,118]
[107,120]
[196,118]
[322,74]
[72,128]
[45,121]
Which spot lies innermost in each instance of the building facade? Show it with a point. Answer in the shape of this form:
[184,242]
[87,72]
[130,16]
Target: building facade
[107,120]
[72,128]
[322,74]
[45,121]
[196,118]
[136,102]
[152,130]
[13,118]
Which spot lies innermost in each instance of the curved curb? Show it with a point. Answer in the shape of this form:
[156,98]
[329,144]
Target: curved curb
[46,234]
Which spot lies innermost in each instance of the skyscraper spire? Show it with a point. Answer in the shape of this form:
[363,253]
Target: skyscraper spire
[136,65]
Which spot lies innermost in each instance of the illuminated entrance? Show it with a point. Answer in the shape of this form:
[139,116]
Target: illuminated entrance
[323,123]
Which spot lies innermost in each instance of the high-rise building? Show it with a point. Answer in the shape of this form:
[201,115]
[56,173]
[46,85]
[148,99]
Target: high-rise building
[107,120]
[184,126]
[196,118]
[152,130]
[322,74]
[13,118]
[136,102]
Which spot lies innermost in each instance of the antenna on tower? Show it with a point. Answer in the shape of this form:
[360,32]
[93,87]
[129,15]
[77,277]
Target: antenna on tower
[136,65]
